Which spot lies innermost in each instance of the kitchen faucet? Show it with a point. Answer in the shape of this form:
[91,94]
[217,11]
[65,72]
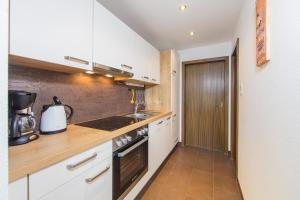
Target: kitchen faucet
[135,108]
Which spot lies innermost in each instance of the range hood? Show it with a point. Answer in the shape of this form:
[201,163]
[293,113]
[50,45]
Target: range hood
[110,71]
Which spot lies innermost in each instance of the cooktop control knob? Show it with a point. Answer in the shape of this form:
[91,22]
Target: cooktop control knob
[119,143]
[124,140]
[139,132]
[129,138]
[146,129]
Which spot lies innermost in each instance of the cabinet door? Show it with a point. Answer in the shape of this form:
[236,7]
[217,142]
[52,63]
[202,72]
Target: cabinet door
[56,31]
[168,136]
[156,143]
[175,129]
[154,66]
[18,190]
[113,40]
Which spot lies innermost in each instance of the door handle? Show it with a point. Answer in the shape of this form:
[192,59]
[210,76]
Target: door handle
[127,151]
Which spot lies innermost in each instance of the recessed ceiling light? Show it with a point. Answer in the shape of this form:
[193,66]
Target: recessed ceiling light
[108,75]
[89,72]
[192,33]
[182,7]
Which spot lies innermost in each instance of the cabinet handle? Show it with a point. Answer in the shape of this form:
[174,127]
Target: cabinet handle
[146,77]
[70,58]
[80,163]
[126,66]
[169,118]
[174,115]
[159,123]
[92,179]
[174,71]
[153,79]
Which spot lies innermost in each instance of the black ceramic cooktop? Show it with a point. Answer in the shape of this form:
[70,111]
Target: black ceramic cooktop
[110,123]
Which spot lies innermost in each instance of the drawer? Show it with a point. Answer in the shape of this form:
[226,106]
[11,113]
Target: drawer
[93,184]
[54,176]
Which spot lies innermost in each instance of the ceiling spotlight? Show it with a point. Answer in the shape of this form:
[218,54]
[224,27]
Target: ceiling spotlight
[89,72]
[108,75]
[182,7]
[192,33]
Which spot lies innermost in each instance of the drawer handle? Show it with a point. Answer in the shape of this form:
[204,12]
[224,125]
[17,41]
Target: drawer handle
[154,79]
[174,72]
[70,58]
[146,77]
[126,66]
[169,118]
[80,163]
[174,115]
[90,180]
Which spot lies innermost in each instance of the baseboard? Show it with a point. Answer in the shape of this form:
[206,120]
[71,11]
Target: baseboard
[149,182]
[240,188]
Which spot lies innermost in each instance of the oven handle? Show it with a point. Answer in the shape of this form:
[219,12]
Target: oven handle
[127,151]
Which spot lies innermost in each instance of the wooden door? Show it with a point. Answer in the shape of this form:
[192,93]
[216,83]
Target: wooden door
[204,105]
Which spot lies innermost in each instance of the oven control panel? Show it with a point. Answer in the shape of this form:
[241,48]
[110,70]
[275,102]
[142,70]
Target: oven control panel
[129,137]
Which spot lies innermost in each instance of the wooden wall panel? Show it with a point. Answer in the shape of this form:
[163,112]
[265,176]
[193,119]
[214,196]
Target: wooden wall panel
[91,96]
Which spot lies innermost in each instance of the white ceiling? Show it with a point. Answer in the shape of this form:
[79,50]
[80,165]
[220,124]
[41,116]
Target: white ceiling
[162,24]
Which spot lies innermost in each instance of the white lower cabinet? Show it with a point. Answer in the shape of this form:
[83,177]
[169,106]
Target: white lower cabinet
[86,176]
[175,129]
[94,184]
[18,190]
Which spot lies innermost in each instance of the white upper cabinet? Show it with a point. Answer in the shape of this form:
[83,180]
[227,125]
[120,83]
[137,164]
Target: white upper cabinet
[118,46]
[112,40]
[56,31]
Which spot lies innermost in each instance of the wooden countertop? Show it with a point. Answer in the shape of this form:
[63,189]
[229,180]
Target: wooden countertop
[50,149]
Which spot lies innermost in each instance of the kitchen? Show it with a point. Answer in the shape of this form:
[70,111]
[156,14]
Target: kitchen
[145,100]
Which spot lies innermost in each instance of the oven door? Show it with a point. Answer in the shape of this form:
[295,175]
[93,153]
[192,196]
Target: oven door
[129,165]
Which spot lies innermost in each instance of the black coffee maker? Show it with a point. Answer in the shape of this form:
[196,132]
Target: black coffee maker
[22,123]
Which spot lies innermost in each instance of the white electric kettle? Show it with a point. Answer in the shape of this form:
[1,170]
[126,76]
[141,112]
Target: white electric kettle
[54,117]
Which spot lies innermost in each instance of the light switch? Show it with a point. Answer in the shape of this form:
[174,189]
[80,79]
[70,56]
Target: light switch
[241,88]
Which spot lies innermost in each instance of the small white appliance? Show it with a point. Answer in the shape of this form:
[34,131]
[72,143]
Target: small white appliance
[54,117]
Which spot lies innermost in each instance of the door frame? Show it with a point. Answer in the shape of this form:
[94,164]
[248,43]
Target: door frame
[235,73]
[226,95]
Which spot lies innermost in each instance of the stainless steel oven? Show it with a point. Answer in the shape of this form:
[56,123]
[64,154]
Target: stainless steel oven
[130,161]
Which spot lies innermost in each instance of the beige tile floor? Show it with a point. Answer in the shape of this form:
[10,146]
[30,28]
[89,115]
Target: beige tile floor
[195,174]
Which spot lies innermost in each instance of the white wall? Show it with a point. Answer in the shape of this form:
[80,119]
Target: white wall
[211,51]
[269,118]
[3,102]
[204,52]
